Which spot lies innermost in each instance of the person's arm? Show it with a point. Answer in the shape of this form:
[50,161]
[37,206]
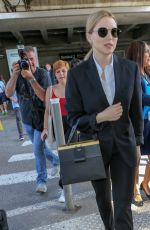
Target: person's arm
[88,122]
[11,84]
[14,99]
[111,113]
[136,111]
[46,114]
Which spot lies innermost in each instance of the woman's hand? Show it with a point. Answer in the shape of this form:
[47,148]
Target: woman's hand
[44,134]
[111,113]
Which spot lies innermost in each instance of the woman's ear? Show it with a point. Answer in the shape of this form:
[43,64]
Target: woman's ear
[88,37]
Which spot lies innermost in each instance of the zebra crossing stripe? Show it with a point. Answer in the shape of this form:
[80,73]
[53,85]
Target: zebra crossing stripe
[21,177]
[28,176]
[25,156]
[31,208]
[91,221]
[51,203]
[46,204]
[21,157]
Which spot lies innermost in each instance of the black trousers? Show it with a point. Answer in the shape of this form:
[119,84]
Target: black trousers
[120,177]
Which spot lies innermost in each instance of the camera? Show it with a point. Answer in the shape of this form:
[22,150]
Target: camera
[23,62]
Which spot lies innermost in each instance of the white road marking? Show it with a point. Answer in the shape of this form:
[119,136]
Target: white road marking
[26,143]
[21,157]
[25,156]
[144,158]
[52,203]
[143,162]
[30,208]
[31,176]
[47,204]
[89,222]
[21,177]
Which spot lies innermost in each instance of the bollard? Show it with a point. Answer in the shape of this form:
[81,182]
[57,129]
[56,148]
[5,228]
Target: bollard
[60,140]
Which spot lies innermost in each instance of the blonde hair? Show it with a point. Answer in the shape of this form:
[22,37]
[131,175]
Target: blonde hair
[95,17]
[59,64]
[86,57]
[91,23]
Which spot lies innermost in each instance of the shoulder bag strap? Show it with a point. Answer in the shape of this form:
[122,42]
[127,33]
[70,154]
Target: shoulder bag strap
[74,127]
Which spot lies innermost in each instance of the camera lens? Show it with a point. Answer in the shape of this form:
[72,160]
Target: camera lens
[24,64]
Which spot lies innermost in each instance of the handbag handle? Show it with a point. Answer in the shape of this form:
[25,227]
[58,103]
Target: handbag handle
[74,127]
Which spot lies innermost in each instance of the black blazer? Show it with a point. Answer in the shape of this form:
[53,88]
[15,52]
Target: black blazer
[85,98]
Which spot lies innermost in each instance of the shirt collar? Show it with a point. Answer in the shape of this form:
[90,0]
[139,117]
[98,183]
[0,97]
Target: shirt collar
[99,68]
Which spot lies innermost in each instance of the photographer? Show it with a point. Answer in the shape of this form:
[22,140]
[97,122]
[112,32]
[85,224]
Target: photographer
[30,83]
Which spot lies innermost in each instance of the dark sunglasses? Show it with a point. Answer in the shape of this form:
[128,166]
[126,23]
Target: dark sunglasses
[102,32]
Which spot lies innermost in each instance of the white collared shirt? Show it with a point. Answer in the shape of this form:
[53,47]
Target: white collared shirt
[109,83]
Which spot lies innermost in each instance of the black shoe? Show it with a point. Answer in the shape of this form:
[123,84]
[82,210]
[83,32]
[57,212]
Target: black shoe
[142,188]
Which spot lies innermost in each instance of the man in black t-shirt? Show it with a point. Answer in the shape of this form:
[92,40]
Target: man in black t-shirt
[31,84]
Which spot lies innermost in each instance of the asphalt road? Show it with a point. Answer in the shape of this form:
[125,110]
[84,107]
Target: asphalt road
[28,210]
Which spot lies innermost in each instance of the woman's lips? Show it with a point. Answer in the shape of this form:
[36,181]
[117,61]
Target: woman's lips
[109,45]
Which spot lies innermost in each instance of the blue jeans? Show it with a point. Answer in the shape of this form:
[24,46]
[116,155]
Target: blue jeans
[18,120]
[41,152]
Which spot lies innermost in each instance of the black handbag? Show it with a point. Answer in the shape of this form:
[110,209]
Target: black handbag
[80,161]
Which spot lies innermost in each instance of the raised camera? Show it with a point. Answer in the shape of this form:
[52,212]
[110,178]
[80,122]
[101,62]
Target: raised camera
[23,62]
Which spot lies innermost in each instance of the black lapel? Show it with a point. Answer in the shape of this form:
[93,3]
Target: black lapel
[118,75]
[94,79]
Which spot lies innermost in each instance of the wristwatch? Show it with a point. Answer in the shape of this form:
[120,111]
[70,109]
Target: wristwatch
[32,80]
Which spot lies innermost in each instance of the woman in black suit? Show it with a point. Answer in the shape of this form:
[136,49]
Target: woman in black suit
[105,93]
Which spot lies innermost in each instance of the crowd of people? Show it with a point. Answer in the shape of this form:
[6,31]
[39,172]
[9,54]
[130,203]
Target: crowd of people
[111,96]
